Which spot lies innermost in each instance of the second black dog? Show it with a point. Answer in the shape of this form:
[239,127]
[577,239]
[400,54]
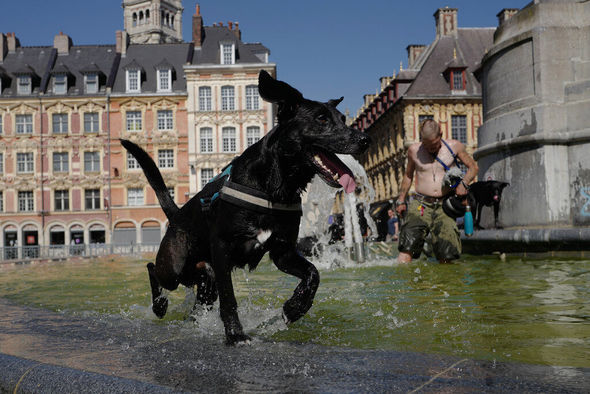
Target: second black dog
[253,208]
[486,193]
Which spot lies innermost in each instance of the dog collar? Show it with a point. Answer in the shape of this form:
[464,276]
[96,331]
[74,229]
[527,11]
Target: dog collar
[255,200]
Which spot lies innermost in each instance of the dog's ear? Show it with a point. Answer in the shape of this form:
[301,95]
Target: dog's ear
[277,92]
[504,184]
[334,103]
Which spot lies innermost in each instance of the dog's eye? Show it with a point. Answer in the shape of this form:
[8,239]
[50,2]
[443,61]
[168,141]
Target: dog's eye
[322,118]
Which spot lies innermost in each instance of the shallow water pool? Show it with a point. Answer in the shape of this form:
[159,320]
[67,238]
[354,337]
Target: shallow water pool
[532,311]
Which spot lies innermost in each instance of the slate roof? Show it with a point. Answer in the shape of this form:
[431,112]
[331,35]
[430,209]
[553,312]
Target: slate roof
[147,57]
[209,52]
[470,45]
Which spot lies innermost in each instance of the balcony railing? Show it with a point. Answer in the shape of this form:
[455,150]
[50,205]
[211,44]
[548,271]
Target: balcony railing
[53,252]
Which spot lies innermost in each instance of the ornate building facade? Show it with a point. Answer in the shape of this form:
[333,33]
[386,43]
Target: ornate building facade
[64,177]
[440,82]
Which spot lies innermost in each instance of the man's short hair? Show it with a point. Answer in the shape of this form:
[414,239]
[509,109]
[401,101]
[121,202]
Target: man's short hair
[429,128]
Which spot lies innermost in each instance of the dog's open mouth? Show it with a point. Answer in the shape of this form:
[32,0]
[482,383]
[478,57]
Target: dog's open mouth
[333,171]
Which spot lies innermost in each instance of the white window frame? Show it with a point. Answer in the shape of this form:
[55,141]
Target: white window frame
[91,83]
[252,135]
[91,122]
[24,84]
[206,139]
[26,201]
[92,195]
[227,51]
[165,119]
[164,80]
[59,123]
[63,197]
[133,79]
[60,84]
[1,163]
[25,163]
[92,161]
[229,140]
[166,158]
[206,176]
[228,102]
[459,128]
[205,98]
[135,197]
[61,165]
[24,124]
[132,163]
[133,121]
[252,98]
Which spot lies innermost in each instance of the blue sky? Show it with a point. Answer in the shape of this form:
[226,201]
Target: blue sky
[324,48]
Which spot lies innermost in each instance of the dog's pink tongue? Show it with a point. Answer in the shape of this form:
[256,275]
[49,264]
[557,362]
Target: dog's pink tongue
[347,183]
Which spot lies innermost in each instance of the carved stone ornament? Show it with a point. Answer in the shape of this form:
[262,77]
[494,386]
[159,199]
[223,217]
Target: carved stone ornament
[134,179]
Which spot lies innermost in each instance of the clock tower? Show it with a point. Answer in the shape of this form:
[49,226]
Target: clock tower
[153,21]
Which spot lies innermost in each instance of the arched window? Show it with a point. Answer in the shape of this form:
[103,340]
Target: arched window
[134,19]
[147,16]
[162,18]
[172,21]
[141,17]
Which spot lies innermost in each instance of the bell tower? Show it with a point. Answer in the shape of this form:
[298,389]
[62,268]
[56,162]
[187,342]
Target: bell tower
[153,21]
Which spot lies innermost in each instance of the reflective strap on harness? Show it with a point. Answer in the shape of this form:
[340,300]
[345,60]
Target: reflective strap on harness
[254,200]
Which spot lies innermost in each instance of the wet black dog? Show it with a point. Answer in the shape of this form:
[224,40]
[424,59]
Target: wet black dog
[486,193]
[210,236]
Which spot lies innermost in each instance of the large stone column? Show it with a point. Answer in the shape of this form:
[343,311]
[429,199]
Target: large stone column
[536,131]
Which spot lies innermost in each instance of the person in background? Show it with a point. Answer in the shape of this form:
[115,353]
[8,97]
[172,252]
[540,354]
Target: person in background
[392,226]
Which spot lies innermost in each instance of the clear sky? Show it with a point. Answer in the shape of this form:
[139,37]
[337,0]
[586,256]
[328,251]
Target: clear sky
[324,48]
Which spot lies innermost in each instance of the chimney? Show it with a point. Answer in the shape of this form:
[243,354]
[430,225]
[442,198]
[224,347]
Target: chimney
[122,42]
[237,31]
[198,30]
[506,14]
[13,42]
[3,47]
[231,25]
[446,21]
[62,42]
[414,51]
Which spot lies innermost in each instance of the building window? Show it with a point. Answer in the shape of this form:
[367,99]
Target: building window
[1,163]
[459,128]
[133,81]
[228,136]
[132,163]
[60,84]
[91,122]
[24,124]
[206,176]
[24,84]
[91,83]
[1,201]
[26,201]
[60,162]
[422,118]
[164,80]
[1,124]
[134,121]
[91,162]
[227,53]
[25,163]
[135,197]
[166,158]
[252,135]
[252,101]
[206,139]
[458,82]
[227,98]
[60,123]
[62,200]
[92,199]
[165,120]
[171,192]
[204,98]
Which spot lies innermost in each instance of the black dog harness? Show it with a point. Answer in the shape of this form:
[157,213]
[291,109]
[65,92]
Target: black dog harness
[242,196]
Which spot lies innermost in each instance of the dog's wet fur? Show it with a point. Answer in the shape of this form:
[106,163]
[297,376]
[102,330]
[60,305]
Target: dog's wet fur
[202,248]
[486,193]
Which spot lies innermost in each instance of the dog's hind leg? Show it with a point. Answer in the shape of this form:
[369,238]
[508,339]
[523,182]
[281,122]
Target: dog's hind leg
[159,300]
[291,262]
[206,289]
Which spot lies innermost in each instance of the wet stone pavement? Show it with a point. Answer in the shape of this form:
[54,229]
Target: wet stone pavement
[65,352]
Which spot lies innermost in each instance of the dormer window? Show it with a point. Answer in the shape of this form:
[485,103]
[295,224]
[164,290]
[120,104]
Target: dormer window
[24,84]
[228,53]
[91,83]
[60,84]
[457,80]
[164,80]
[133,84]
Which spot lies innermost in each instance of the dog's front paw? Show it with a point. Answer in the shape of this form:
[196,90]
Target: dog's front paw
[293,311]
[237,340]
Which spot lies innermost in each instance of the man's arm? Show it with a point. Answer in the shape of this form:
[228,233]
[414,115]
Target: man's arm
[472,169]
[406,184]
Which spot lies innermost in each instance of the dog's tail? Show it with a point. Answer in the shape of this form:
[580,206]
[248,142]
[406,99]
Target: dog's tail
[154,177]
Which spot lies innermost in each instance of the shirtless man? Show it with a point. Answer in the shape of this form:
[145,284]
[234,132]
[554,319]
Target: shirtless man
[425,214]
